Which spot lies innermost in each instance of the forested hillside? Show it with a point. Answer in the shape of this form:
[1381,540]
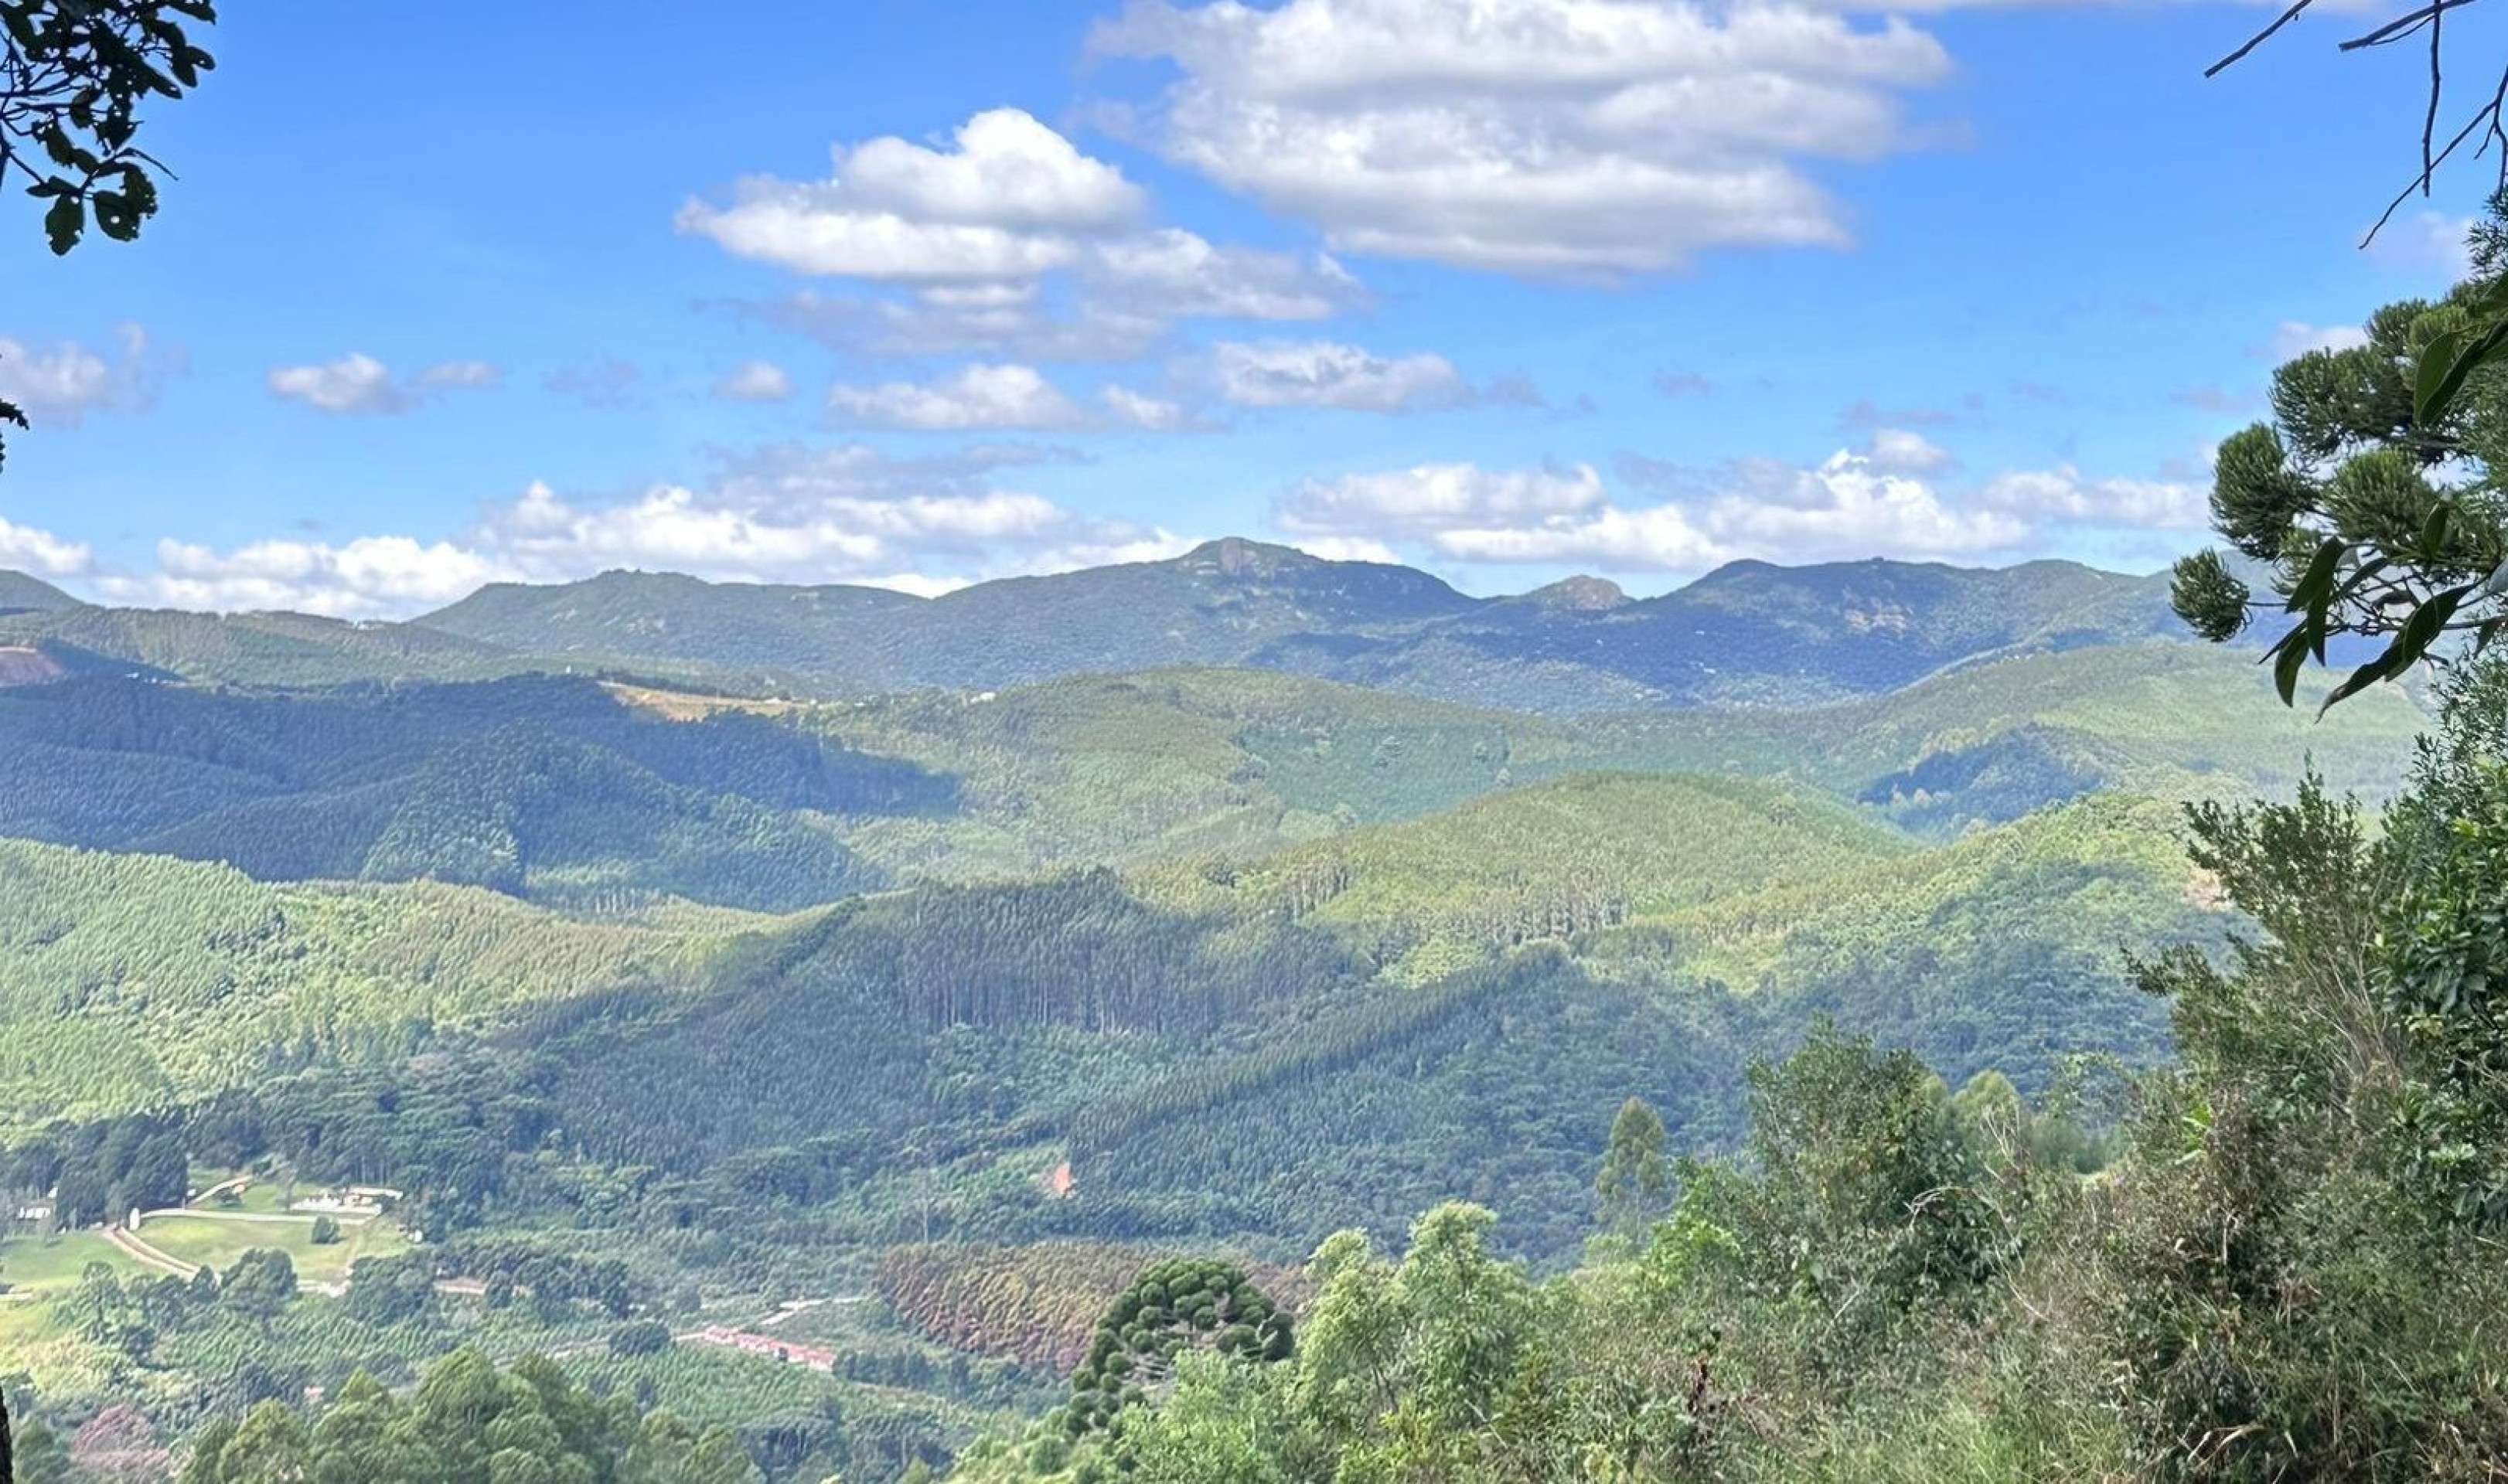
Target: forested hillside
[762,1050]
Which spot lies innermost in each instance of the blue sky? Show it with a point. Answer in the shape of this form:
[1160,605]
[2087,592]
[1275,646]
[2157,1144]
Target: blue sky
[918,294]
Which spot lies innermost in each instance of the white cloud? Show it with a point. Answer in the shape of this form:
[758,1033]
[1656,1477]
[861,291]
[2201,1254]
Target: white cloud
[1428,499]
[1007,171]
[358,579]
[1326,373]
[960,242]
[1846,507]
[1178,274]
[845,514]
[980,396]
[1349,549]
[1658,537]
[1009,202]
[1141,411]
[359,384]
[850,516]
[2064,494]
[460,374]
[2293,338]
[1588,138]
[60,384]
[788,227]
[983,319]
[754,382]
[1907,452]
[356,383]
[1850,507]
[2428,241]
[30,549]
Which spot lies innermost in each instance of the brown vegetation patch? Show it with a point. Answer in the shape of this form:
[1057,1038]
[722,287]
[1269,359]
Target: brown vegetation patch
[1034,1305]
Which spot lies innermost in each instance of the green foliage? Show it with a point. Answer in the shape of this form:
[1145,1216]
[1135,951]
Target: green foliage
[39,1456]
[73,78]
[1634,1177]
[1181,1306]
[640,1337]
[1224,1422]
[468,1423]
[261,1282]
[2339,494]
[1865,1203]
[2284,1271]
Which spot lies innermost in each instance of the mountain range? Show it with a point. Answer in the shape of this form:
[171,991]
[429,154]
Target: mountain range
[1746,634]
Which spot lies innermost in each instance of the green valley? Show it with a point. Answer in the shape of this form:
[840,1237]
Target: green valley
[818,1065]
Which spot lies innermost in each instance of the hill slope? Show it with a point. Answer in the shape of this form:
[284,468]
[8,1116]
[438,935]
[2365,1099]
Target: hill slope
[532,787]
[130,979]
[20,593]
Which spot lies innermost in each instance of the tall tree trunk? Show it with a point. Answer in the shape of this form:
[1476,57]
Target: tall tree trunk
[7,1470]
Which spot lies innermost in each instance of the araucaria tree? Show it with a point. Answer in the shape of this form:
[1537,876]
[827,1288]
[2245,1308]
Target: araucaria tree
[2370,497]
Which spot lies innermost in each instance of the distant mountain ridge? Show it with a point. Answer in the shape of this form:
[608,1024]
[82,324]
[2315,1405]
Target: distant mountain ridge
[20,593]
[1749,633]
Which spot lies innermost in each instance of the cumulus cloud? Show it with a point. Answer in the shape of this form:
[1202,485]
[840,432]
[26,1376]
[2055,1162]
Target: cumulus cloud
[1009,202]
[61,384]
[1138,410]
[959,245]
[2428,241]
[354,579]
[1349,549]
[787,514]
[1432,499]
[2293,338]
[1327,374]
[980,396]
[1178,274]
[754,382]
[1577,138]
[999,320]
[1007,171]
[357,385]
[1906,451]
[30,549]
[1850,505]
[2065,494]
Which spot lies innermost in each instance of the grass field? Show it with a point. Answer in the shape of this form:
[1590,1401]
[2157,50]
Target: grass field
[216,1242]
[31,1265]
